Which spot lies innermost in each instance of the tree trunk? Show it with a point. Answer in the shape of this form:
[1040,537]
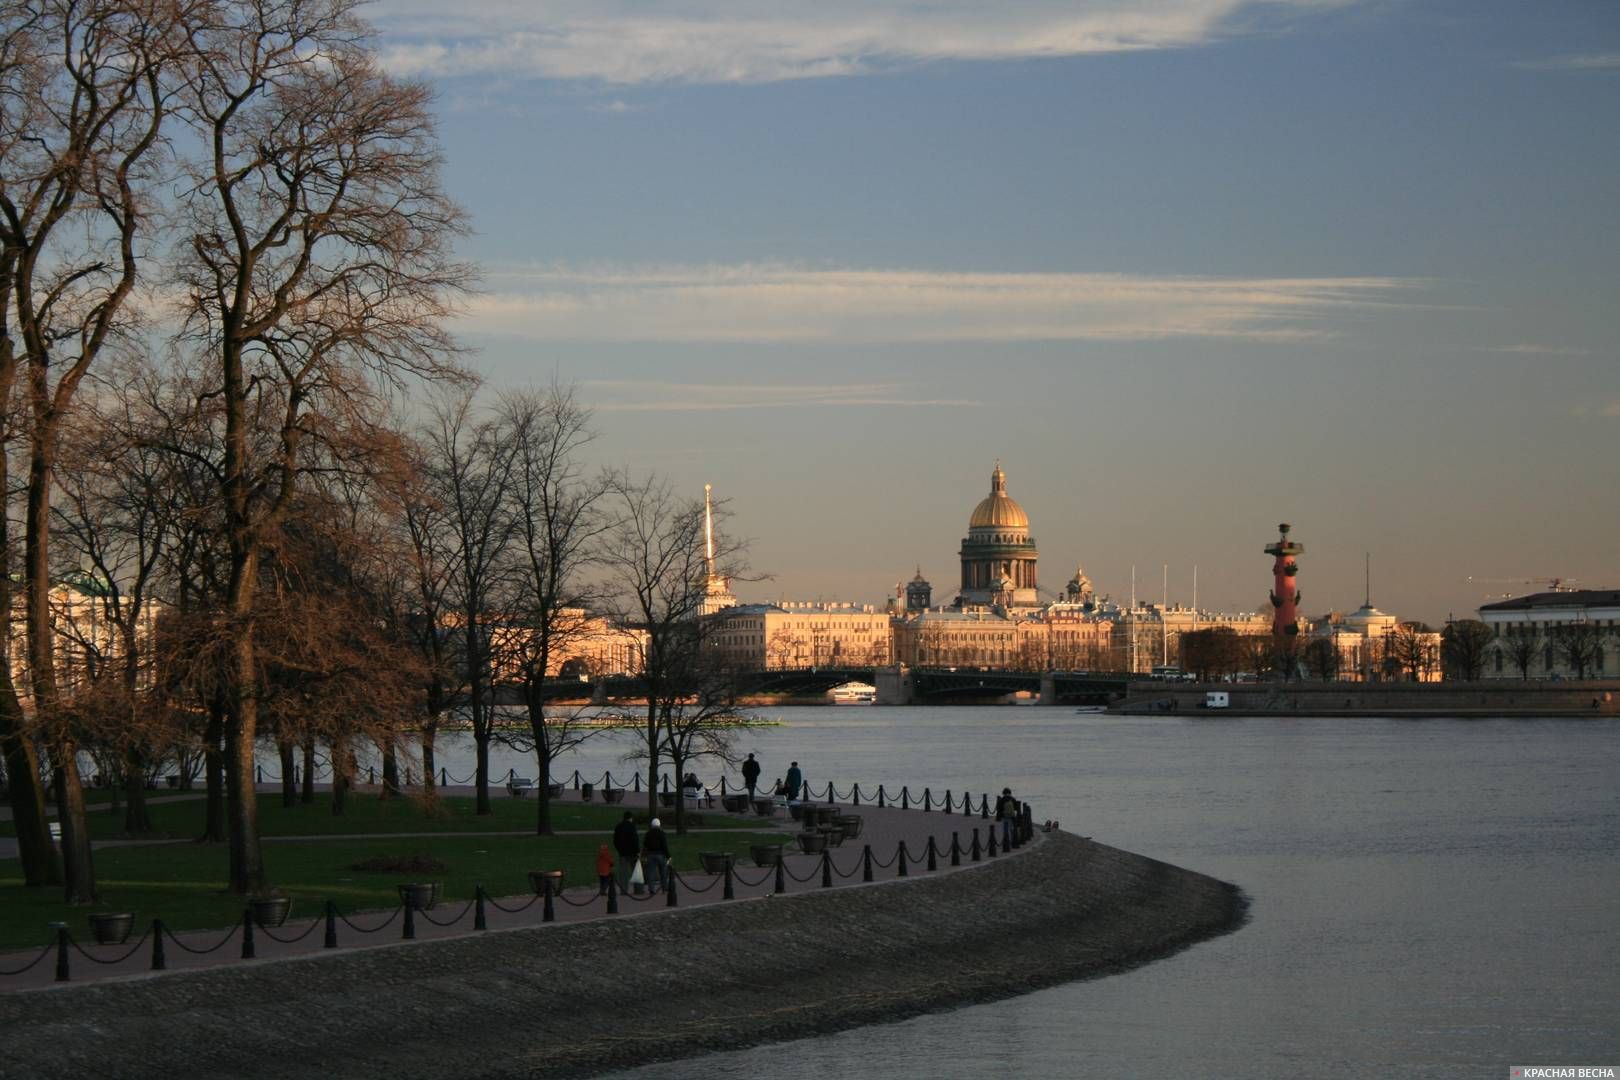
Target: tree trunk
[40,864]
[241,732]
[390,763]
[80,884]
[481,748]
[430,771]
[289,773]
[215,828]
[341,779]
[79,875]
[308,793]
[652,758]
[137,818]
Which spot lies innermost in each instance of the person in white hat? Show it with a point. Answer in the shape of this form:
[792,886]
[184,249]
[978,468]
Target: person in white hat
[656,848]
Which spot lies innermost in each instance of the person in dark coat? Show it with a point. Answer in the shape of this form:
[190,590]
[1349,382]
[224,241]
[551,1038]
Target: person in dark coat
[628,844]
[1007,814]
[656,847]
[794,779]
[750,771]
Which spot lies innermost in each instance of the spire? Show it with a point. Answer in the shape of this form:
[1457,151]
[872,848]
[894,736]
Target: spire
[1368,601]
[708,532]
[998,480]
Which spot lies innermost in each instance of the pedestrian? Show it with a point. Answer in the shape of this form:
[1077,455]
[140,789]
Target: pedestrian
[794,779]
[1007,814]
[628,845]
[656,847]
[750,770]
[604,869]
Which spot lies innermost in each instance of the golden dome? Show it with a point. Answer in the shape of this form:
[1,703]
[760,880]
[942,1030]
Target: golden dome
[998,510]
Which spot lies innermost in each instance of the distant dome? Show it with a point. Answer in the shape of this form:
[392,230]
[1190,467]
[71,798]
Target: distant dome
[998,510]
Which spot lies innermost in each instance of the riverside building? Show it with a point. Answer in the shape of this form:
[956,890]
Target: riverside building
[1563,634]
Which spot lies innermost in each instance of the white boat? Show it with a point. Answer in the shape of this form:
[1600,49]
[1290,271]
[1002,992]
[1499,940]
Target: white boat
[854,693]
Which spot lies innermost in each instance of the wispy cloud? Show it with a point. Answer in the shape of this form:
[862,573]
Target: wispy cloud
[645,395]
[627,42]
[778,303]
[1532,349]
[1573,62]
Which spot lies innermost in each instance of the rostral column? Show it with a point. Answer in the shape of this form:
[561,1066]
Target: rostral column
[1284,597]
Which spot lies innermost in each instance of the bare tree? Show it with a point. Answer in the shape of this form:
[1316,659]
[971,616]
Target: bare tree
[1464,647]
[1577,644]
[659,572]
[316,268]
[1321,658]
[1410,649]
[85,106]
[1523,646]
[557,518]
[469,474]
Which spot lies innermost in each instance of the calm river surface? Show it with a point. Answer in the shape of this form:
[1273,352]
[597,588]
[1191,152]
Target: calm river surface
[1430,898]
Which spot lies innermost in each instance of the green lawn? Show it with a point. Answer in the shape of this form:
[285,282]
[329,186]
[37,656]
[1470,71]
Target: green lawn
[181,883]
[368,814]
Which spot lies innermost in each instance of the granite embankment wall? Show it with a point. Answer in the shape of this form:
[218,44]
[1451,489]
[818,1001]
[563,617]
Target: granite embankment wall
[571,1000]
[1508,697]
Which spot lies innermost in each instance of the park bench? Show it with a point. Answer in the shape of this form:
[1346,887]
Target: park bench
[519,786]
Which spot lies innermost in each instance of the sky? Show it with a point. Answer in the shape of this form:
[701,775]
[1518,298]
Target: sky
[1186,268]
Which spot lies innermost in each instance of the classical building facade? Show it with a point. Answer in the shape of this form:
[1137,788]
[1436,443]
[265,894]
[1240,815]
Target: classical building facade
[1567,634]
[797,635]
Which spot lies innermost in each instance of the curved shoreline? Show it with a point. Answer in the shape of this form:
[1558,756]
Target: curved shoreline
[580,999]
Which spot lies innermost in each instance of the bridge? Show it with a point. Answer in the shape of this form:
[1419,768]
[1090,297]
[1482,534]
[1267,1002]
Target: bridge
[895,685]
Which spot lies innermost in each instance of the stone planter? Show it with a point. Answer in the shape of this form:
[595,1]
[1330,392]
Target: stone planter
[716,862]
[613,794]
[850,824]
[765,854]
[825,814]
[834,835]
[419,895]
[765,807]
[666,799]
[270,911]
[538,878]
[812,843]
[797,809]
[554,790]
[735,804]
[112,928]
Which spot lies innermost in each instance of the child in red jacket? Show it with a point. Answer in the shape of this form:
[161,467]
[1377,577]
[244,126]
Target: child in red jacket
[604,868]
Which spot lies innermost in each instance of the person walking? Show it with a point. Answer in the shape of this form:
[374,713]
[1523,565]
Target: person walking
[628,844]
[604,869]
[1007,814]
[656,847]
[794,779]
[750,771]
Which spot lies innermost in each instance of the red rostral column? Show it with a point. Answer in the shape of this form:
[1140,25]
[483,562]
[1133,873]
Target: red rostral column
[1284,597]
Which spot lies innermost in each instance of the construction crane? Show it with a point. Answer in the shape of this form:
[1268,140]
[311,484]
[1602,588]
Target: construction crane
[1553,584]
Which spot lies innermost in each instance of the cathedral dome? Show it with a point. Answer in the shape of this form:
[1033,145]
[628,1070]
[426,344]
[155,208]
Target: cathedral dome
[998,510]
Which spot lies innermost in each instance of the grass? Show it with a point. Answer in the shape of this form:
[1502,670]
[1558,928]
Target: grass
[182,883]
[184,820]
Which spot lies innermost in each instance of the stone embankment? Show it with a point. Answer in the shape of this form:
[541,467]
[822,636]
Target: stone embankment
[573,1000]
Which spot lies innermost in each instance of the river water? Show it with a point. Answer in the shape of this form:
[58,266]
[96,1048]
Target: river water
[1433,898]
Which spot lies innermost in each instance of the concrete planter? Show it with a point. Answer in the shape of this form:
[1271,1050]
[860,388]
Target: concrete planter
[812,843]
[112,928]
[270,911]
[613,795]
[419,895]
[538,878]
[850,824]
[716,862]
[736,804]
[765,854]
[765,807]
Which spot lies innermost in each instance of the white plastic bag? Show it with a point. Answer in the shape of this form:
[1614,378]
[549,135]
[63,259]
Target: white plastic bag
[636,877]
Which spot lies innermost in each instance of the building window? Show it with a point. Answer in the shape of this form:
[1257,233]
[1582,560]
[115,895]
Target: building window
[1498,660]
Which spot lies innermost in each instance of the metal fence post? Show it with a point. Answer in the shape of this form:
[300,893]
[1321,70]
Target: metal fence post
[247,934]
[956,849]
[409,932]
[933,854]
[160,962]
[613,894]
[900,858]
[548,911]
[826,868]
[730,892]
[866,862]
[61,952]
[331,925]
[479,920]
[974,855]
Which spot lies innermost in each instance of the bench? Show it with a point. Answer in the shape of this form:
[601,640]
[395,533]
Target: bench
[519,786]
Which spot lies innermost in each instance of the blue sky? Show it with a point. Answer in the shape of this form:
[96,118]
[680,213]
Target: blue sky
[1187,268]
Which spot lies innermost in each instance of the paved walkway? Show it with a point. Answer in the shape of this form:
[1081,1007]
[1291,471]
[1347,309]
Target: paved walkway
[304,938]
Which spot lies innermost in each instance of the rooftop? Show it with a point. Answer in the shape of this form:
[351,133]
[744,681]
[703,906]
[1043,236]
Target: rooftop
[1564,598]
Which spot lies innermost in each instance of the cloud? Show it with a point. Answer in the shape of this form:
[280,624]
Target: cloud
[1575,62]
[779,303]
[626,42]
[643,395]
[1530,349]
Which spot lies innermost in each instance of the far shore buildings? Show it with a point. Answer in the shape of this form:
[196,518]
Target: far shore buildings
[1563,634]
